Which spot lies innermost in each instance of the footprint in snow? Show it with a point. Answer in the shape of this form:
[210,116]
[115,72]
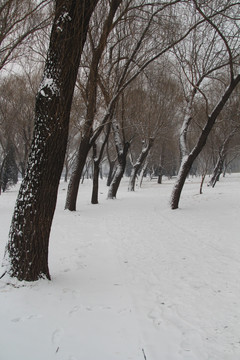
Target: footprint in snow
[28,317]
[73,310]
[57,336]
[16,320]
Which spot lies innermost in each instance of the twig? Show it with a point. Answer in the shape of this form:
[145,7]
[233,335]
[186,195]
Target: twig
[3,275]
[145,358]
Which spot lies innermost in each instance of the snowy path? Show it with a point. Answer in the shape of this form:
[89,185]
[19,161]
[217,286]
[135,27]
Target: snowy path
[132,279]
[181,267]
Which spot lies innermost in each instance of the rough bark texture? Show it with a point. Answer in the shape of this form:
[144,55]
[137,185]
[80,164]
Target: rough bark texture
[188,160]
[26,254]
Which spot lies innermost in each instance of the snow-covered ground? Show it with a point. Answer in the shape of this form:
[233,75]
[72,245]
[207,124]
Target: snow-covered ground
[131,279]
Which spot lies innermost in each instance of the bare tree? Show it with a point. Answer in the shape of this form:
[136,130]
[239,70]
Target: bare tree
[90,95]
[219,54]
[226,130]
[17,111]
[20,20]
[130,48]
[26,254]
[122,143]
[151,113]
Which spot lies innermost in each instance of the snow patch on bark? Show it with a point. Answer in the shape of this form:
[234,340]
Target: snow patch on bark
[63,18]
[179,177]
[49,85]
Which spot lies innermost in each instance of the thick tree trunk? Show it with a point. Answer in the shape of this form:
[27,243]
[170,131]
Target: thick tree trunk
[26,254]
[188,160]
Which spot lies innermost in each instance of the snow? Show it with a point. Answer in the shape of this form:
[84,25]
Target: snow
[50,84]
[131,279]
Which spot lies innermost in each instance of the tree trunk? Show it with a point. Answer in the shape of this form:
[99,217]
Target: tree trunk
[96,165]
[202,181]
[161,164]
[188,160]
[143,172]
[66,170]
[182,175]
[122,159]
[96,170]
[1,172]
[160,175]
[138,164]
[78,167]
[111,172]
[91,91]
[221,159]
[217,171]
[26,254]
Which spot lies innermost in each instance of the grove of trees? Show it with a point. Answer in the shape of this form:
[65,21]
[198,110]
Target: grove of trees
[130,87]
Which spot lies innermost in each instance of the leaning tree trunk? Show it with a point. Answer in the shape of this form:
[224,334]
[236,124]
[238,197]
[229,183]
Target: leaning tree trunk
[221,159]
[78,167]
[26,254]
[202,181]
[139,163]
[188,160]
[96,165]
[217,171]
[143,171]
[122,159]
[111,172]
